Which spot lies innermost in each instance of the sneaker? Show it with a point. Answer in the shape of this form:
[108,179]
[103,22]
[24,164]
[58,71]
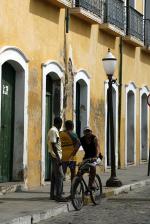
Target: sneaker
[61,199]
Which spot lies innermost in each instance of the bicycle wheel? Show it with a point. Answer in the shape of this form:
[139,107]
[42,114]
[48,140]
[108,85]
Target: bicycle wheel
[96,192]
[77,193]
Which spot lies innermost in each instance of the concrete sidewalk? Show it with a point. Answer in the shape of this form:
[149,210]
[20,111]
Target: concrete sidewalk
[32,206]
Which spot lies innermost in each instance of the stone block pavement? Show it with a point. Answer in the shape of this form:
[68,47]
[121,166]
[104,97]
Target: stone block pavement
[33,206]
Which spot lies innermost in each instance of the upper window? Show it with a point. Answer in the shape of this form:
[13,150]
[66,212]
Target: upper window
[147,9]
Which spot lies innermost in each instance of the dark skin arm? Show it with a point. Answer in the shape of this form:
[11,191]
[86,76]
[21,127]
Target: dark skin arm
[98,153]
[76,148]
[56,152]
[97,146]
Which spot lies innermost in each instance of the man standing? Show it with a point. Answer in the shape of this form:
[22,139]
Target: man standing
[91,148]
[70,145]
[54,147]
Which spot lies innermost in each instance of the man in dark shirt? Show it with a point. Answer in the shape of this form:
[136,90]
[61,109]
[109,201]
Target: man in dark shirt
[91,148]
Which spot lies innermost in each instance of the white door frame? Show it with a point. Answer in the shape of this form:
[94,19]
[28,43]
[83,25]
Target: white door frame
[130,87]
[82,75]
[19,61]
[146,91]
[49,67]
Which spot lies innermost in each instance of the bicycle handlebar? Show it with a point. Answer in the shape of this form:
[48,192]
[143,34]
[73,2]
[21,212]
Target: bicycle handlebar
[89,162]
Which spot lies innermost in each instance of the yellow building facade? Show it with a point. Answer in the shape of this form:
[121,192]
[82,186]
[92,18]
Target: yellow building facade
[51,65]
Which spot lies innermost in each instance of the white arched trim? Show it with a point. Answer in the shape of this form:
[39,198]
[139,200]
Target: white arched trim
[82,75]
[128,88]
[115,86]
[56,70]
[20,62]
[49,65]
[13,49]
[144,90]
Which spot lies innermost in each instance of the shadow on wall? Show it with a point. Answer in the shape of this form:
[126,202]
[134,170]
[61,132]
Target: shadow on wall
[145,57]
[129,50]
[45,10]
[82,27]
[106,39]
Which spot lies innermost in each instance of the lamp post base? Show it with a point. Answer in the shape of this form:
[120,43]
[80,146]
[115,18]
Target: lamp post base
[113,182]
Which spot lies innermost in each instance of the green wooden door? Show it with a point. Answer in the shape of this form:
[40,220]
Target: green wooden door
[48,125]
[7,122]
[78,122]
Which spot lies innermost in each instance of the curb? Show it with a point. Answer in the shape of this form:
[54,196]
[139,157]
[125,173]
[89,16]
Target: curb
[126,188]
[41,216]
[64,208]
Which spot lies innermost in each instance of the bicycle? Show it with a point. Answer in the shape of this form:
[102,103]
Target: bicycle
[80,188]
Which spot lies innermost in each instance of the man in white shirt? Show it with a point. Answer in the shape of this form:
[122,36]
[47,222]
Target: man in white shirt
[54,148]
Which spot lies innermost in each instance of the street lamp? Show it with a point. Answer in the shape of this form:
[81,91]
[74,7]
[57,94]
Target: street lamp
[109,63]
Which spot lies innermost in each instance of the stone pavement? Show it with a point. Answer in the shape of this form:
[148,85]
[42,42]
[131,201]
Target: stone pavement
[32,206]
[128,208]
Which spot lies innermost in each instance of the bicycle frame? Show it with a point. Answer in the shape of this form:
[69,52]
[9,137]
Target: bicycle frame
[77,194]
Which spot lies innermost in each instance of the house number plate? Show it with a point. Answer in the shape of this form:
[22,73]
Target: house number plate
[5,90]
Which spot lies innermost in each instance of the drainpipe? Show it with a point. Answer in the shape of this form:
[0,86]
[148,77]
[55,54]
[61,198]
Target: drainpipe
[66,31]
[120,99]
[69,74]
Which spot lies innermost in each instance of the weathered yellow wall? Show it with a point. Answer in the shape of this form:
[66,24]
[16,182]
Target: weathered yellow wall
[89,46]
[37,28]
[139,6]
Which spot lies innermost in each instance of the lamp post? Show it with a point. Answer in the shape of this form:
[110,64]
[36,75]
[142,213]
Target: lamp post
[109,63]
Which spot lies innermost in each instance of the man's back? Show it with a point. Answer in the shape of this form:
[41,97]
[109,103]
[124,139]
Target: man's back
[68,141]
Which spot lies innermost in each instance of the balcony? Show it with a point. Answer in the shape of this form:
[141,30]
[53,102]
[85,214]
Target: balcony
[114,17]
[134,28]
[88,10]
[61,3]
[147,34]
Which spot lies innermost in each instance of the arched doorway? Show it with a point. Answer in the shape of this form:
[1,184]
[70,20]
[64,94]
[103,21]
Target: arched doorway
[81,101]
[52,105]
[130,127]
[7,122]
[81,106]
[53,92]
[13,109]
[144,128]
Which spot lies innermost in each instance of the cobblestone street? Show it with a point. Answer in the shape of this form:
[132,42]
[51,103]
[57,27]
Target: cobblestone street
[128,208]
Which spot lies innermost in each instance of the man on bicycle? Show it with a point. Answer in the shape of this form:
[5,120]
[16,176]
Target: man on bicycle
[91,148]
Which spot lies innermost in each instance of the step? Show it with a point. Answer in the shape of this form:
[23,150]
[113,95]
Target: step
[11,187]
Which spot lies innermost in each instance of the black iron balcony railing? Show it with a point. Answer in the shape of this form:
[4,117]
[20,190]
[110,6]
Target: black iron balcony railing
[114,13]
[135,26]
[147,32]
[93,6]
